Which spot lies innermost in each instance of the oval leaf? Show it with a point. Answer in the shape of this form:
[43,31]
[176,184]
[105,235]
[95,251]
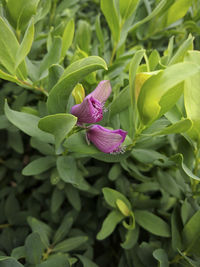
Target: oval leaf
[57,100]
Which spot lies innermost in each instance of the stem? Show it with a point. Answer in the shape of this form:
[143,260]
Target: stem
[2,226]
[46,254]
[116,43]
[113,53]
[147,62]
[196,168]
[40,89]
[137,136]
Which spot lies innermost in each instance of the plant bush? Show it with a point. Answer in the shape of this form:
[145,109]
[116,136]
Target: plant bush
[73,191]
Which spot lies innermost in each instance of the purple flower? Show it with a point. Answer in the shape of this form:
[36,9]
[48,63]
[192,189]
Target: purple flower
[108,141]
[91,109]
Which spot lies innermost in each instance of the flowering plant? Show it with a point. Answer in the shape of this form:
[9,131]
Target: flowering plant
[91,111]
[131,197]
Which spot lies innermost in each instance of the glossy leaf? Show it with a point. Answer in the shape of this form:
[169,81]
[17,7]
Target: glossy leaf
[57,100]
[21,11]
[70,244]
[67,37]
[192,96]
[39,166]
[152,223]
[41,228]
[109,224]
[34,248]
[191,234]
[26,44]
[177,10]
[59,125]
[161,256]
[86,262]
[111,14]
[52,57]
[59,259]
[27,123]
[159,94]
[111,196]
[127,7]
[67,170]
[9,47]
[9,262]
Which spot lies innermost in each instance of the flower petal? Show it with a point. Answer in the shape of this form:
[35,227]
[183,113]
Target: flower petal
[106,140]
[102,91]
[89,111]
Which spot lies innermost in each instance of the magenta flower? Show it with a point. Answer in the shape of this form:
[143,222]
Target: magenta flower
[108,141]
[91,109]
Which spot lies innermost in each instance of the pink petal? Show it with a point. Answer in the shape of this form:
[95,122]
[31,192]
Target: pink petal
[106,140]
[102,91]
[89,111]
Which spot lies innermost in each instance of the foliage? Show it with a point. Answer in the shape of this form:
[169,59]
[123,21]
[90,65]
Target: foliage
[65,203]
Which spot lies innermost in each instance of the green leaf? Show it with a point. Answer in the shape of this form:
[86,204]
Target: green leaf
[11,208]
[9,262]
[186,211]
[52,57]
[86,262]
[120,102]
[70,244]
[135,62]
[21,11]
[59,125]
[110,12]
[192,96]
[178,127]
[34,248]
[161,256]
[41,228]
[127,7]
[191,234]
[168,183]
[152,223]
[154,60]
[64,228]
[99,31]
[39,166]
[57,100]
[182,50]
[176,227]
[83,35]
[56,199]
[55,72]
[9,47]
[177,10]
[178,159]
[27,123]
[109,224]
[59,259]
[77,143]
[156,98]
[18,253]
[67,37]
[26,44]
[42,147]
[111,196]
[8,77]
[130,238]
[158,9]
[67,169]
[73,196]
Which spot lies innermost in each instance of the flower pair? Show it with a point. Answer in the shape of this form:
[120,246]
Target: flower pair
[91,111]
